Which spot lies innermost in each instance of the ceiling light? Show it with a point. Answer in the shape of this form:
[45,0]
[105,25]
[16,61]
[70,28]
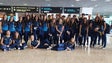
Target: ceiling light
[72,5]
[96,5]
[48,4]
[107,0]
[47,0]
[93,0]
[25,4]
[77,0]
[1,3]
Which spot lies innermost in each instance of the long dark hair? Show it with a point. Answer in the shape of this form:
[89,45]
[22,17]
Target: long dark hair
[97,18]
[15,36]
[53,24]
[11,18]
[4,16]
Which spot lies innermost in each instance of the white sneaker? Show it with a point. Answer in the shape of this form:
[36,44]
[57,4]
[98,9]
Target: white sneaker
[4,50]
[62,41]
[103,48]
[25,46]
[18,48]
[68,49]
[9,49]
[96,46]
[49,48]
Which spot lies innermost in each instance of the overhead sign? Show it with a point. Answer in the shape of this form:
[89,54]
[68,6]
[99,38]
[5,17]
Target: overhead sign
[51,9]
[31,9]
[5,9]
[75,10]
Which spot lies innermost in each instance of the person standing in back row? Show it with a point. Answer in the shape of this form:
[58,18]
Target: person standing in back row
[4,25]
[103,32]
[19,26]
[27,29]
[12,26]
[35,26]
[95,26]
[60,31]
[83,32]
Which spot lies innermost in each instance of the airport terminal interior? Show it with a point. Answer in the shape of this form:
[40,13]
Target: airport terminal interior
[55,31]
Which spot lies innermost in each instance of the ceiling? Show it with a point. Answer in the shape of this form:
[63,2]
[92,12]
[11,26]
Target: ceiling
[99,6]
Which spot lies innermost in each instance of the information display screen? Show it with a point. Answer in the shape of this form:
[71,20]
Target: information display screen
[5,9]
[51,9]
[72,10]
[31,9]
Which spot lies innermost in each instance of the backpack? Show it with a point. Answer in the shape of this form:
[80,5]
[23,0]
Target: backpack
[108,27]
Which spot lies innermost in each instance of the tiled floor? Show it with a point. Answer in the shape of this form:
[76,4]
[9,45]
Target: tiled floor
[79,55]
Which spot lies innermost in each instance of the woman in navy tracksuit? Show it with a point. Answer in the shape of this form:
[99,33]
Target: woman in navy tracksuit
[67,31]
[95,27]
[19,26]
[27,29]
[103,32]
[43,33]
[52,33]
[34,43]
[45,27]
[17,42]
[35,26]
[74,29]
[70,45]
[91,33]
[4,25]
[60,30]
[83,32]
[12,26]
[6,41]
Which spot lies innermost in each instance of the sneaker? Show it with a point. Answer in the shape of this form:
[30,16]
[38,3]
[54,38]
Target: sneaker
[103,48]
[18,48]
[62,41]
[25,47]
[9,49]
[96,46]
[68,49]
[49,48]
[4,50]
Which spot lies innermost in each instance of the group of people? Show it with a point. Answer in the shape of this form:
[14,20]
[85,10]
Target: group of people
[49,32]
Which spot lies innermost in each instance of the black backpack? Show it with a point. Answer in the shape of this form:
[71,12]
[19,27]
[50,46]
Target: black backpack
[108,27]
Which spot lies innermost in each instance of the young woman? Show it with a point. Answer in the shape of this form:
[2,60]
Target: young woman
[74,29]
[67,31]
[6,41]
[95,26]
[4,25]
[45,27]
[27,28]
[60,30]
[34,43]
[52,33]
[70,45]
[19,26]
[35,26]
[83,32]
[17,42]
[103,32]
[12,26]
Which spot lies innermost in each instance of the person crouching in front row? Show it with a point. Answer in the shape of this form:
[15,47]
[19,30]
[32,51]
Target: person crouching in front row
[70,45]
[6,42]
